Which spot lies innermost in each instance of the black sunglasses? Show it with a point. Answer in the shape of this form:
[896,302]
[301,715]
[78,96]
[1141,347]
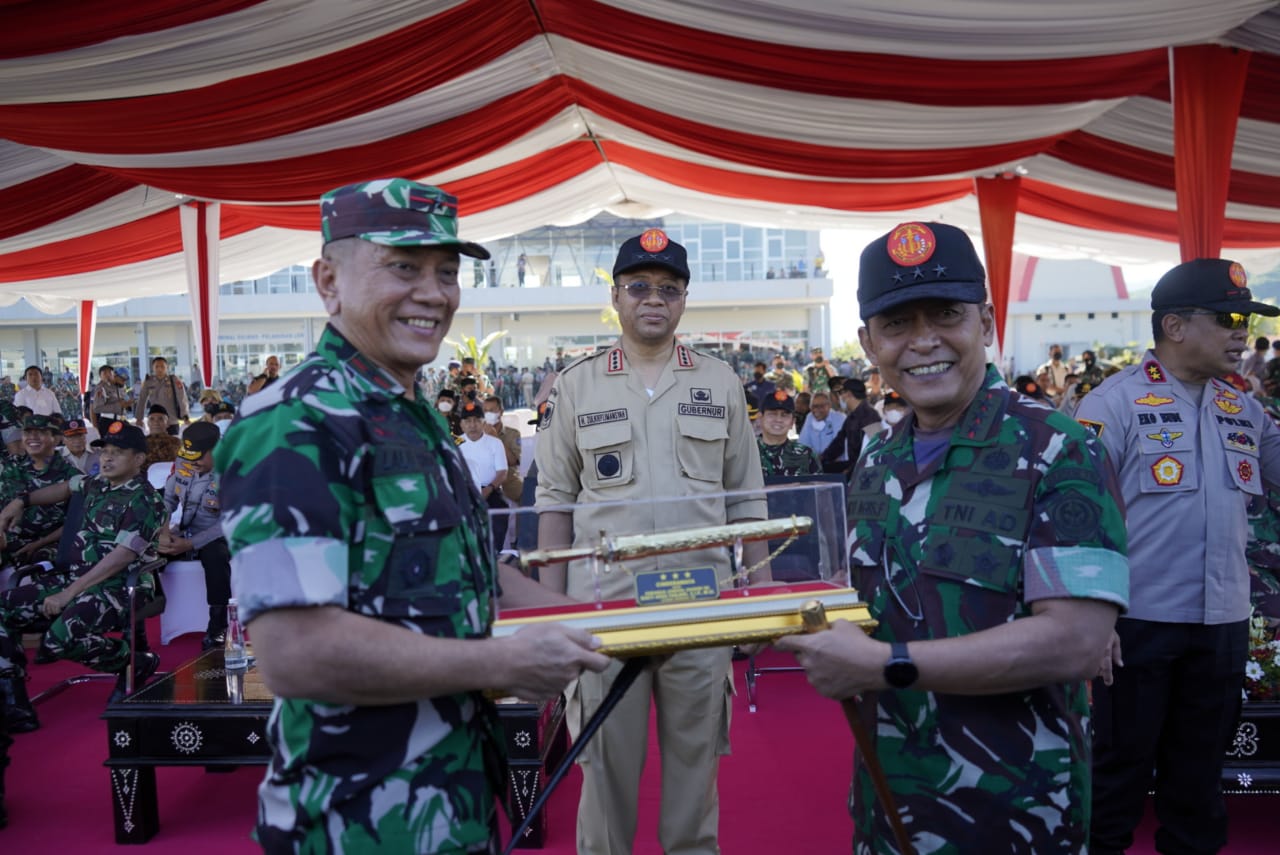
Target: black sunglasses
[1227,320]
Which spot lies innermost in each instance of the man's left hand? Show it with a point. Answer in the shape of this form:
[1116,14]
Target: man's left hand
[840,662]
[55,603]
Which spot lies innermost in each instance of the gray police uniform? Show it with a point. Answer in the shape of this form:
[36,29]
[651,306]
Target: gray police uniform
[196,495]
[603,438]
[1189,460]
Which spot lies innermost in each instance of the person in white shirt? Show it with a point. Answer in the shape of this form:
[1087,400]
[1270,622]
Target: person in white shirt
[35,395]
[822,425]
[486,459]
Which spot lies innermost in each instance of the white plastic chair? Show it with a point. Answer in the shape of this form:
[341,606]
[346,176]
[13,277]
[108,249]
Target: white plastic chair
[186,607]
[158,473]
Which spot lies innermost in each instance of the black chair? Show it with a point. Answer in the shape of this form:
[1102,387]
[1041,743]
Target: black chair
[799,562]
[138,614]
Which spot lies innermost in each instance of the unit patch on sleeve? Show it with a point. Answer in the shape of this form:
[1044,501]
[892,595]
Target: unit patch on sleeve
[1092,427]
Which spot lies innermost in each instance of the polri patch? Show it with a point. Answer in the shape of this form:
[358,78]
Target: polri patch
[602,418]
[1245,469]
[1167,471]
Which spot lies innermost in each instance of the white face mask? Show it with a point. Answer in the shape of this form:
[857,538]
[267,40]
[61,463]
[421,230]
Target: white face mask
[491,418]
[892,417]
[444,406]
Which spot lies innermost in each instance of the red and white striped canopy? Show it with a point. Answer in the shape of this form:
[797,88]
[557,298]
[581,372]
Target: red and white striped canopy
[809,113]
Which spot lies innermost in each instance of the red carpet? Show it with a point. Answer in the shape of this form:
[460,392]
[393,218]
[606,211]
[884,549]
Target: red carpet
[782,791]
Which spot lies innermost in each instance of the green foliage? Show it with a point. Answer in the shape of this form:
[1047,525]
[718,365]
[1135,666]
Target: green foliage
[847,350]
[477,350]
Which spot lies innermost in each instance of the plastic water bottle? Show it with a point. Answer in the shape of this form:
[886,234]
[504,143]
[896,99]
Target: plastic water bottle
[234,655]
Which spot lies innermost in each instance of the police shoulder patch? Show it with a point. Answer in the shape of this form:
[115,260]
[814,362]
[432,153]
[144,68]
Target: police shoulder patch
[1094,428]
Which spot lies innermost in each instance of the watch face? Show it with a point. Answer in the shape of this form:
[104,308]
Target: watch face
[900,672]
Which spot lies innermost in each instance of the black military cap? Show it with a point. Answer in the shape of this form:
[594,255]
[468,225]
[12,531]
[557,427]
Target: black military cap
[893,399]
[197,439]
[446,393]
[778,400]
[1029,387]
[652,249]
[471,410]
[157,408]
[123,435]
[1217,284]
[919,261]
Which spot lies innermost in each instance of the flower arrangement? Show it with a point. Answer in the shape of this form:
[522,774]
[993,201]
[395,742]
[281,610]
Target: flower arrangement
[1262,669]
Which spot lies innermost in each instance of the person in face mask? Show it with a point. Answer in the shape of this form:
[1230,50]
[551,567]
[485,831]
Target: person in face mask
[510,438]
[758,387]
[895,410]
[447,403]
[1090,371]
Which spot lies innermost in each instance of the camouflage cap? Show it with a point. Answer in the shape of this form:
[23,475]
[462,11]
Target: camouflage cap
[38,422]
[395,212]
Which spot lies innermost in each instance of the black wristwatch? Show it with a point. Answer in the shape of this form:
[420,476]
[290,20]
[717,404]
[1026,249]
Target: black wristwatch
[900,672]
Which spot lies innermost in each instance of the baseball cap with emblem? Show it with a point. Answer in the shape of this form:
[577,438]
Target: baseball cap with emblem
[395,212]
[652,249]
[197,439]
[123,435]
[919,261]
[777,400]
[74,427]
[1218,284]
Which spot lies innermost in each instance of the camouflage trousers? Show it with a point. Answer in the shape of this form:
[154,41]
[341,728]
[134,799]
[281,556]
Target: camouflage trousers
[78,633]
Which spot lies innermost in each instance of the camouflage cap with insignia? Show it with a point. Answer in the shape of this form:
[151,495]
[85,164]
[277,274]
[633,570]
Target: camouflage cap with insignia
[38,422]
[919,261]
[395,212]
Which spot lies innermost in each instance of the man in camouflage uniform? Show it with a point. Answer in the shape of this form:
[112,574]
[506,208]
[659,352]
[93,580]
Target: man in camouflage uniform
[361,562]
[86,599]
[989,543]
[779,453]
[192,490]
[34,537]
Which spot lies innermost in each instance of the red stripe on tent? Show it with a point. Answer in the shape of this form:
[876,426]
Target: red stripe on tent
[836,195]
[1259,102]
[787,155]
[304,95]
[141,240]
[913,79]
[476,193]
[1121,160]
[34,28]
[1088,211]
[55,195]
[423,152]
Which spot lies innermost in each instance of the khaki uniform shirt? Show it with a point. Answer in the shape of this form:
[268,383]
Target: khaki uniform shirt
[1189,460]
[603,438]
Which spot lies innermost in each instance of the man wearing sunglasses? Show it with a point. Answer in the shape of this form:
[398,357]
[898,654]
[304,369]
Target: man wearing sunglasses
[1190,451]
[989,543]
[648,418]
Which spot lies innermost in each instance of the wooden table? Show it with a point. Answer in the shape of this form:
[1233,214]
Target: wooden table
[201,716]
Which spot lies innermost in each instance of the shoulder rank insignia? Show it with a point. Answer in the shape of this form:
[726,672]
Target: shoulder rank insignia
[1151,399]
[1092,427]
[1153,371]
[684,356]
[1167,471]
[1165,437]
[614,363]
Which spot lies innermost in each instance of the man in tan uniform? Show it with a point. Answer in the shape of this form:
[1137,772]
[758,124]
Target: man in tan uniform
[644,419]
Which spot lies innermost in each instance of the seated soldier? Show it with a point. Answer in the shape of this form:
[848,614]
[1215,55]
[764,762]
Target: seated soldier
[86,599]
[34,536]
[193,488]
[162,447]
